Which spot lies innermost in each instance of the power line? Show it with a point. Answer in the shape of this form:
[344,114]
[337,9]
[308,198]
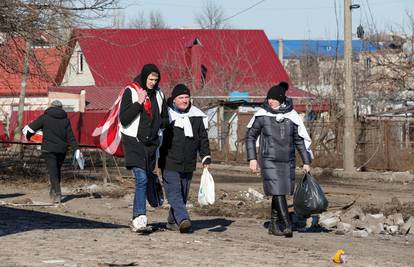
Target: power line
[244,10]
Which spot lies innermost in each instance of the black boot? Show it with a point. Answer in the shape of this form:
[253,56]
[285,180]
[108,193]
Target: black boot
[282,209]
[274,225]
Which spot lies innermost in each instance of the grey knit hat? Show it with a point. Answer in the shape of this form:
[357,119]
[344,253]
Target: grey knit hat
[56,103]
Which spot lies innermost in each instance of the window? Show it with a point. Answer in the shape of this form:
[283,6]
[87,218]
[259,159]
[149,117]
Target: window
[80,62]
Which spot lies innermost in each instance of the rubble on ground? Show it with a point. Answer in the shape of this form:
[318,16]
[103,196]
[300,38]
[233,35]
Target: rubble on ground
[97,191]
[257,196]
[360,224]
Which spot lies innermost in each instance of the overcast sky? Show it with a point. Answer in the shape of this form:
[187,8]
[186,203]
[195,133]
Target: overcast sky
[293,19]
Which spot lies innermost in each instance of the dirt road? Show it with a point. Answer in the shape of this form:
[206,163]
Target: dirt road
[91,229]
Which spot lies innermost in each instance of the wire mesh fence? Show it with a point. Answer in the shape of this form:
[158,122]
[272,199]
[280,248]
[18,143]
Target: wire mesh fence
[380,144]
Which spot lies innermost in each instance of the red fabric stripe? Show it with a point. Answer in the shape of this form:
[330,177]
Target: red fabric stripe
[111,133]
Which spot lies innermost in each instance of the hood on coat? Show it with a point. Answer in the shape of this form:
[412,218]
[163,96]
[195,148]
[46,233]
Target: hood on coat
[143,76]
[56,113]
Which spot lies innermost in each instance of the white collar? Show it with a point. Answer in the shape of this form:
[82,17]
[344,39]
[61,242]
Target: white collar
[182,120]
[291,115]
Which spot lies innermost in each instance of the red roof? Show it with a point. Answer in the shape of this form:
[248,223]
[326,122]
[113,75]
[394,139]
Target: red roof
[43,68]
[242,60]
[97,98]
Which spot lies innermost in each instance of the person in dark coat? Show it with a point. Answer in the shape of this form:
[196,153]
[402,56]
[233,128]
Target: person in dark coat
[57,135]
[281,130]
[143,114]
[185,136]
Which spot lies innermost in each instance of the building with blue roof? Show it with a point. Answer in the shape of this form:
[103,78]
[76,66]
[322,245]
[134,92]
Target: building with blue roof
[320,48]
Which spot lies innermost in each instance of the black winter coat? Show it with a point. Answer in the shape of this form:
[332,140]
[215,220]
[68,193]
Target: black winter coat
[179,152]
[57,131]
[278,141]
[144,146]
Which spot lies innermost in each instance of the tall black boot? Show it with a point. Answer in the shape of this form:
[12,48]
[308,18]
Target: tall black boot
[274,225]
[282,209]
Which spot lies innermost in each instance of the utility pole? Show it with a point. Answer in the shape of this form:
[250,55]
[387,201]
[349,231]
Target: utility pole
[349,129]
[280,51]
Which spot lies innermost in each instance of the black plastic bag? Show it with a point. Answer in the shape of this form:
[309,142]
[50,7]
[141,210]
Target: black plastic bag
[155,195]
[309,198]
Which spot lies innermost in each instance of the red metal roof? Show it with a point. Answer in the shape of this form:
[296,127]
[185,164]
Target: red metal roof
[242,60]
[43,66]
[97,98]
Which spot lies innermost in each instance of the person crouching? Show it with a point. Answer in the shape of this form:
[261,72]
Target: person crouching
[183,139]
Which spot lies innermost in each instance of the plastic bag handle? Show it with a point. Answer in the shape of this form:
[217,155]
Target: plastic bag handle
[304,176]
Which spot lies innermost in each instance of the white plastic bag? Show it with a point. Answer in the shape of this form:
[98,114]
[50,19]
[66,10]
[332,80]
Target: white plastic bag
[206,193]
[78,159]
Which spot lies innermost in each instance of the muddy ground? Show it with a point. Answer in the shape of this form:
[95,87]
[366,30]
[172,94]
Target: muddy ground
[90,228]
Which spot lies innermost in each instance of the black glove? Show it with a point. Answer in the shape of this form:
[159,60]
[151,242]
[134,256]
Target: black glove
[29,135]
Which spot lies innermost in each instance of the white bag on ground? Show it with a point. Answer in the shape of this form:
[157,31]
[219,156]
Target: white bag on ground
[206,193]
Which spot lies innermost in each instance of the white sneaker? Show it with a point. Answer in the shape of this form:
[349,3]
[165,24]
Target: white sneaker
[139,223]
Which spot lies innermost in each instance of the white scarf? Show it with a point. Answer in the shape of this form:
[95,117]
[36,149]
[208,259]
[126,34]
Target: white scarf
[294,117]
[182,120]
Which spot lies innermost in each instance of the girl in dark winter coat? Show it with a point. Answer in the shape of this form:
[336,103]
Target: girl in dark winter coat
[143,115]
[281,130]
[57,135]
[183,139]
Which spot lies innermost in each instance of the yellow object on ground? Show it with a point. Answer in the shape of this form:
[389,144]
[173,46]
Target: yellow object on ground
[339,256]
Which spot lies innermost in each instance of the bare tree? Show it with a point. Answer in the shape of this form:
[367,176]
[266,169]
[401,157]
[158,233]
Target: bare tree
[386,74]
[211,17]
[156,20]
[138,22]
[22,21]
[26,25]
[23,18]
[118,19]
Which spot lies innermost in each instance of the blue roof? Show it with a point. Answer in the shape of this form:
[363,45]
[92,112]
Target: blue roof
[324,48]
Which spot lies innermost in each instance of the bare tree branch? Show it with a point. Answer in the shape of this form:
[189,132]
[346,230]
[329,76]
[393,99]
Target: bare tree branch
[211,17]
[138,22]
[156,21]
[43,23]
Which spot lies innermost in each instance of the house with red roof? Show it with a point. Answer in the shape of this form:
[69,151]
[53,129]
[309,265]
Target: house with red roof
[100,62]
[212,63]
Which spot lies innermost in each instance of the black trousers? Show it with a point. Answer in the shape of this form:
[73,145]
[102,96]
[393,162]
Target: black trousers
[54,163]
